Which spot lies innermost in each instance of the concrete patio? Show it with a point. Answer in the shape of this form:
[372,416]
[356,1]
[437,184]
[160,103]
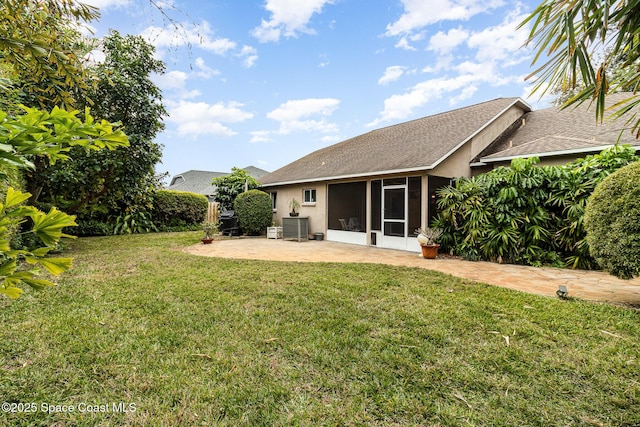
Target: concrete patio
[589,285]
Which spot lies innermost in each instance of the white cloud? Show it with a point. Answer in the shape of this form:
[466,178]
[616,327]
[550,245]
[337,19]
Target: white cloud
[302,115]
[288,18]
[296,109]
[391,74]
[203,70]
[498,43]
[401,106]
[489,55]
[171,80]
[419,13]
[403,43]
[446,42]
[189,34]
[249,55]
[260,136]
[198,118]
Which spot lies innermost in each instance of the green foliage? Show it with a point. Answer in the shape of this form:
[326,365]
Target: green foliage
[37,133]
[199,341]
[612,221]
[178,209]
[526,214]
[46,136]
[91,227]
[254,210]
[134,223]
[210,230]
[46,227]
[567,33]
[103,184]
[40,47]
[228,187]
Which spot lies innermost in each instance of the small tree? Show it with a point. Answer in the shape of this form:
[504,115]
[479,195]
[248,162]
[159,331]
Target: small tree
[228,187]
[254,211]
[612,221]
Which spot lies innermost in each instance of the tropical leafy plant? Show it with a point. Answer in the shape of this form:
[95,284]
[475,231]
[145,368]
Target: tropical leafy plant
[568,34]
[49,136]
[525,213]
[134,223]
[47,227]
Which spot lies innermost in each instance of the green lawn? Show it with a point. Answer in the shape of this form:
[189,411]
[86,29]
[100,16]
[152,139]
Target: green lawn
[203,341]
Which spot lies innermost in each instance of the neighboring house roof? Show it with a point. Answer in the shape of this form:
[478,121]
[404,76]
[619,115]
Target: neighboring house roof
[195,181]
[415,145]
[255,172]
[199,182]
[554,132]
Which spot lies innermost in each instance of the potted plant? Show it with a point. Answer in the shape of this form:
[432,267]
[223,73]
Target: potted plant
[210,229]
[427,237]
[294,208]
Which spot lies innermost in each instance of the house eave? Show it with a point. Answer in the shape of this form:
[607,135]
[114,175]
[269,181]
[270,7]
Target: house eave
[477,164]
[350,176]
[550,153]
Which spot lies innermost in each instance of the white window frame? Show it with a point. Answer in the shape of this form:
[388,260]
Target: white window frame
[309,196]
[274,200]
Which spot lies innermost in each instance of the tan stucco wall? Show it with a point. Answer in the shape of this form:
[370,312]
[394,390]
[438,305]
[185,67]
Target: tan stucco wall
[457,164]
[485,137]
[316,212]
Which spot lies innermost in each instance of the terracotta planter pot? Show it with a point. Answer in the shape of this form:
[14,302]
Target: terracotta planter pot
[206,241]
[430,251]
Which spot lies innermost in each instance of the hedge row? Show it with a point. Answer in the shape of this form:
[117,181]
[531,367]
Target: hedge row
[171,211]
[178,209]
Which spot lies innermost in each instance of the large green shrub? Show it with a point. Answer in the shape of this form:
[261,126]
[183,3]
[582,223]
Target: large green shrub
[254,210]
[178,209]
[612,221]
[526,214]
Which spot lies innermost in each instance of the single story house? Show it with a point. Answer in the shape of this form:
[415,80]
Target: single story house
[200,182]
[378,188]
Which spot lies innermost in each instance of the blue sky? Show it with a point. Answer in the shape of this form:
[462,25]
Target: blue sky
[264,82]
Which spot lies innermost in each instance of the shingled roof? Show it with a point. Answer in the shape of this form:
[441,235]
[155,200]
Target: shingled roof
[195,181]
[415,145]
[200,182]
[552,132]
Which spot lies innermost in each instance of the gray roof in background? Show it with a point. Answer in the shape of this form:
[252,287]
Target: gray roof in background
[195,181]
[414,145]
[553,131]
[199,182]
[255,172]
